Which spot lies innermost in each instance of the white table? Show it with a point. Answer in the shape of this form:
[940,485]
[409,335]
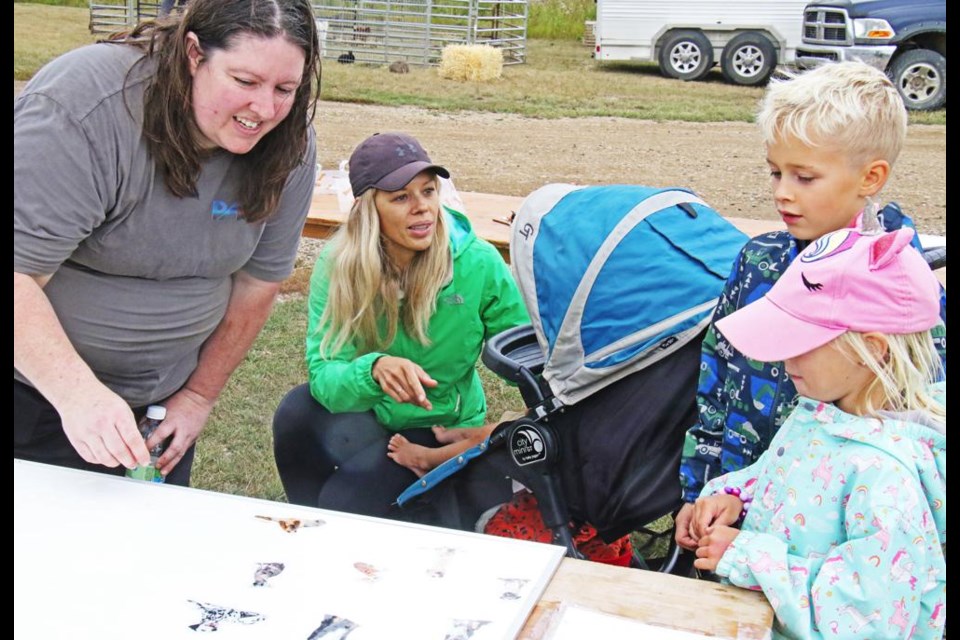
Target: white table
[106,557]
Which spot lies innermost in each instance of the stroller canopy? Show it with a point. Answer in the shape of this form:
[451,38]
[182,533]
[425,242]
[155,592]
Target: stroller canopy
[617,277]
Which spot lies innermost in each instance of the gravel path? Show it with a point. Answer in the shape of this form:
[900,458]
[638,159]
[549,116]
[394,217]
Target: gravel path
[513,155]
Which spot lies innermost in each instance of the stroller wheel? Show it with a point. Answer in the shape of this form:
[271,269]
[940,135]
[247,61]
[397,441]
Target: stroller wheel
[658,551]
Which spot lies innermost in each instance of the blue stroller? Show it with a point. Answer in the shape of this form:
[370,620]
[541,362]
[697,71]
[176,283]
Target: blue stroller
[620,283]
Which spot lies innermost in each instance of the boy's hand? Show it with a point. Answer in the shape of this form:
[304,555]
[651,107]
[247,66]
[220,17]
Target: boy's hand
[716,510]
[682,533]
[713,544]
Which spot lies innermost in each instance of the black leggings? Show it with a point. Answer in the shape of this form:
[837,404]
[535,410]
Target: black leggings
[38,436]
[339,461]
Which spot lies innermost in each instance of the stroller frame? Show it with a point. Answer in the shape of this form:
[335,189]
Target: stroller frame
[533,442]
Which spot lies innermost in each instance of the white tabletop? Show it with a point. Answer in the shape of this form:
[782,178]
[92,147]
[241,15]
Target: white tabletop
[106,557]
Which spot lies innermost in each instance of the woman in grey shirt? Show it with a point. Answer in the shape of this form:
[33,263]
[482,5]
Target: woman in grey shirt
[161,184]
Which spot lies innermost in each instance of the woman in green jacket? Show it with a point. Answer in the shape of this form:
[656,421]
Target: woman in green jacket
[401,302]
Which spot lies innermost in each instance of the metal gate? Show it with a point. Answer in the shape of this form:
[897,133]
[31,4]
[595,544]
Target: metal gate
[416,31]
[379,31]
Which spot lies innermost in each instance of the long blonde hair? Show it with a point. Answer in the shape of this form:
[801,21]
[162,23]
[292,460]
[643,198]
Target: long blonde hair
[901,377]
[369,296]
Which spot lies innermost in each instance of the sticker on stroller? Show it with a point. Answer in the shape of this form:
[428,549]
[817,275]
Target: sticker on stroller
[333,627]
[527,445]
[265,571]
[526,231]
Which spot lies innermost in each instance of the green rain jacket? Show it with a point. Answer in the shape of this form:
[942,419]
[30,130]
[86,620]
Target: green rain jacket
[480,301]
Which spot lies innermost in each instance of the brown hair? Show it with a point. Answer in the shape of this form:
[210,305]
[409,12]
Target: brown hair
[172,138]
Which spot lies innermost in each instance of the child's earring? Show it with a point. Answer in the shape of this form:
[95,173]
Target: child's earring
[870,220]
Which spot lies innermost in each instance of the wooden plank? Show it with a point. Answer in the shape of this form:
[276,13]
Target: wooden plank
[488,212]
[697,606]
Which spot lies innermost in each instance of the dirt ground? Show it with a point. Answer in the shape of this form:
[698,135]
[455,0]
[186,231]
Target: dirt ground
[722,162]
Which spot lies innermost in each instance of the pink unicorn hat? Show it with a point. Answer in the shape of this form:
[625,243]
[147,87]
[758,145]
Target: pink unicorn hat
[845,281]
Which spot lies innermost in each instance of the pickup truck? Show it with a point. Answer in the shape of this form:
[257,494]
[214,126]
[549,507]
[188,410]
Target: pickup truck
[905,38]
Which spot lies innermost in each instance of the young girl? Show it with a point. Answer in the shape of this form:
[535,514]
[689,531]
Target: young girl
[843,517]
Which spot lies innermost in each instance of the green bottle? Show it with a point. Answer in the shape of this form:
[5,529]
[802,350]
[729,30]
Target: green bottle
[148,424]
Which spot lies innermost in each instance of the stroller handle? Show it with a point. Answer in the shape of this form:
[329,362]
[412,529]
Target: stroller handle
[936,257]
[515,354]
[511,350]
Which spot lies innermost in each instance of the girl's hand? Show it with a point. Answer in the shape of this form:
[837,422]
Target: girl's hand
[713,544]
[717,510]
[403,380]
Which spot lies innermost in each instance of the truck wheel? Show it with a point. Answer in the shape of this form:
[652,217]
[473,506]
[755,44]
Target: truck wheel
[748,59]
[921,79]
[686,55]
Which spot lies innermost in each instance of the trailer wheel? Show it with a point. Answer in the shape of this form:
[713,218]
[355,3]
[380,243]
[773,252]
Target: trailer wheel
[748,59]
[921,78]
[686,55]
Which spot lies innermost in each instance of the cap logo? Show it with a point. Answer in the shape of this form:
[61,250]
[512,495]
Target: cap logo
[811,286]
[402,149]
[830,245]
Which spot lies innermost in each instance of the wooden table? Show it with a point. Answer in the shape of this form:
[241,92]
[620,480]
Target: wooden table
[697,606]
[484,211]
[487,213]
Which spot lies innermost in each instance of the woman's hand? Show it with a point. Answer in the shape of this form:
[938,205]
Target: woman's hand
[717,510]
[97,422]
[101,427]
[403,380]
[187,413]
[713,544]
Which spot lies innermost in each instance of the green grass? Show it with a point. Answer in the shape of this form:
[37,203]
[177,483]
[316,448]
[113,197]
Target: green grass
[235,454]
[84,4]
[559,80]
[559,19]
[42,32]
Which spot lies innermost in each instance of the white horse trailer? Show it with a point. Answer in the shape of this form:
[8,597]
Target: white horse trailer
[748,38]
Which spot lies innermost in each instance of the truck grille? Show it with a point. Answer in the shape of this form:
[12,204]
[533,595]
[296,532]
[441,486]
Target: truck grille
[826,25]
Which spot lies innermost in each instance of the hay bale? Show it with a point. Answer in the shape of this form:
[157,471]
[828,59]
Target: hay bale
[471,62]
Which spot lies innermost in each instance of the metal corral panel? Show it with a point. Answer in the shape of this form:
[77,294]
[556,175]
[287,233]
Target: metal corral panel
[379,31]
[416,31]
[109,16]
[625,25]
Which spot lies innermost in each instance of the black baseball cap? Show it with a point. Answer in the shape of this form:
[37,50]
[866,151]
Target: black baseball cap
[388,161]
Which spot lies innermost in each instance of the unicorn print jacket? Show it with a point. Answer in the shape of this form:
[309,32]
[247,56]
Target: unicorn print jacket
[846,531]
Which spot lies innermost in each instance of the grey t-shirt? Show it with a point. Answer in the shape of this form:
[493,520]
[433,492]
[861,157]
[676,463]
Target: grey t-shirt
[141,277]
